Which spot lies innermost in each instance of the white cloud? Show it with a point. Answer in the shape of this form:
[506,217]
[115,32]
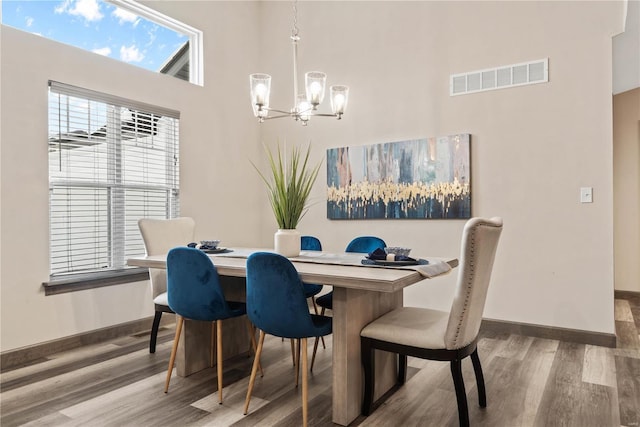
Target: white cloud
[104,51]
[131,54]
[29,21]
[62,7]
[88,9]
[125,16]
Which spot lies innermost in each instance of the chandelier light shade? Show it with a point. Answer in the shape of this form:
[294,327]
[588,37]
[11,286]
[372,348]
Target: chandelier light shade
[305,104]
[339,97]
[260,90]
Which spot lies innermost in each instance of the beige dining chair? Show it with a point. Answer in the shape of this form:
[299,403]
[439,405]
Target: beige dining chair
[440,335]
[159,236]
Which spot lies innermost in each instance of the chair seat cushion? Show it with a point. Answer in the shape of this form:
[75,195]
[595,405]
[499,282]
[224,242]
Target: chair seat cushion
[412,326]
[236,308]
[325,300]
[161,299]
[323,324]
[311,289]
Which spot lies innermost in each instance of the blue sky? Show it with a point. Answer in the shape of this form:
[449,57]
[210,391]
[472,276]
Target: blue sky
[96,26]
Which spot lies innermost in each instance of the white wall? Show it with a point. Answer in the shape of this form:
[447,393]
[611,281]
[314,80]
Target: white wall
[626,51]
[532,147]
[216,135]
[626,189]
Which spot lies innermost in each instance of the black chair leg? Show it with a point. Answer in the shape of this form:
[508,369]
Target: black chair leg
[368,363]
[477,368]
[154,331]
[402,369]
[461,395]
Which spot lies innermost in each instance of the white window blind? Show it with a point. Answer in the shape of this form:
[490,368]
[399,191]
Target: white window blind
[111,162]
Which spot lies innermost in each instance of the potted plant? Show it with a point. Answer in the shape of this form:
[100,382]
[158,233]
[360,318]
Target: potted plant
[289,184]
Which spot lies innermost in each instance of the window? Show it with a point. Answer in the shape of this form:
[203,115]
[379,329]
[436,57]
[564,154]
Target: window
[111,162]
[120,29]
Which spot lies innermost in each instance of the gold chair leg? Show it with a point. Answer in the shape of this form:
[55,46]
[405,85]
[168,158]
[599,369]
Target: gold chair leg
[293,352]
[315,308]
[254,370]
[213,344]
[297,364]
[305,385]
[219,357]
[174,350]
[313,356]
[253,343]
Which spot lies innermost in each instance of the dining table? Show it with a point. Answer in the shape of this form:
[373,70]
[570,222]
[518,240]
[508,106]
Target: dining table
[361,293]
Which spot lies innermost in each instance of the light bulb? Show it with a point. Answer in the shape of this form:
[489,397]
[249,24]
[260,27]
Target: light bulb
[315,83]
[261,90]
[338,102]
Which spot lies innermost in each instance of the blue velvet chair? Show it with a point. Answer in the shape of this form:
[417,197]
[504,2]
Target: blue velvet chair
[276,305]
[362,244]
[194,292]
[311,243]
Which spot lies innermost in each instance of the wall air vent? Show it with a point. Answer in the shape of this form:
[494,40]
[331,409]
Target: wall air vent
[526,73]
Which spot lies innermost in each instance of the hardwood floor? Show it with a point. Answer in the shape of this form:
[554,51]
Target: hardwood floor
[529,381]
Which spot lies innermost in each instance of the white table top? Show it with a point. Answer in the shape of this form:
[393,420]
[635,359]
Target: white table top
[322,270]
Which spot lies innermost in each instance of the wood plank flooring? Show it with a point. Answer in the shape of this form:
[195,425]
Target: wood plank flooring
[530,382]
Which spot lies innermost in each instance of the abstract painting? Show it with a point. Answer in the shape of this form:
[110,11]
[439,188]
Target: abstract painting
[426,178]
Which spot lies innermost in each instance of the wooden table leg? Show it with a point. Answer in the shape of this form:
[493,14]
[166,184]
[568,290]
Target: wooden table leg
[195,343]
[352,310]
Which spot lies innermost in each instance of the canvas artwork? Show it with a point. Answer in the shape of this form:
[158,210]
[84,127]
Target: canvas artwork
[419,179]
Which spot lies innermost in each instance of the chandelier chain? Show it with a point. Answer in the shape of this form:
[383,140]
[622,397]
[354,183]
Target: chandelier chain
[294,31]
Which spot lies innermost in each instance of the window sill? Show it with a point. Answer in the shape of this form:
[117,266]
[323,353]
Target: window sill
[82,282]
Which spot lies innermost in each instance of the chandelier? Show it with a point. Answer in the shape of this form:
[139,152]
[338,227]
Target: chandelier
[305,105]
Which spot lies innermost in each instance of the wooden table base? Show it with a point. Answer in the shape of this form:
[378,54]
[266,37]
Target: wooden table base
[352,310]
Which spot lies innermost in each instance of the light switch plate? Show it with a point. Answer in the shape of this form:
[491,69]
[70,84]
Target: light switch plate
[586,194]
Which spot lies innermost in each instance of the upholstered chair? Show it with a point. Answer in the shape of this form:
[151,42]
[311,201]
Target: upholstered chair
[440,335]
[312,243]
[160,235]
[362,244]
[276,305]
[194,293]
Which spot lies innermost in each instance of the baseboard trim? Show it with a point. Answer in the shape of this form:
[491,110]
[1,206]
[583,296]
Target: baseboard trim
[26,355]
[549,332]
[619,294]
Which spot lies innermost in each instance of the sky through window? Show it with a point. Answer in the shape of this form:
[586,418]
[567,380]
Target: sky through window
[96,26]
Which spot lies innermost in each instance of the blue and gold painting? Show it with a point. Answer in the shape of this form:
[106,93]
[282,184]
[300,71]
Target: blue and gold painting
[426,178]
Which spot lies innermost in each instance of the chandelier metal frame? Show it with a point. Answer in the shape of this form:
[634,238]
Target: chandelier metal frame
[305,105]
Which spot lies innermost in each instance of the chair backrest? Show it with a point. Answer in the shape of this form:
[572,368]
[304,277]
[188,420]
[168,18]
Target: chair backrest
[193,285]
[159,236]
[479,243]
[365,244]
[275,297]
[310,243]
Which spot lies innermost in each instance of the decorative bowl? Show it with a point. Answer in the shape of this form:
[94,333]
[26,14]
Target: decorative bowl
[212,244]
[397,251]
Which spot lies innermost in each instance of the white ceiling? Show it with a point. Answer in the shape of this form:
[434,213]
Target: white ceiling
[626,52]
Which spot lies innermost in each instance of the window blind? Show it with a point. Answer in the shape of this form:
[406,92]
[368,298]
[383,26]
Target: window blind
[112,161]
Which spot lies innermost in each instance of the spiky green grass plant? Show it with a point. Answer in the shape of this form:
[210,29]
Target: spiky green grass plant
[289,185]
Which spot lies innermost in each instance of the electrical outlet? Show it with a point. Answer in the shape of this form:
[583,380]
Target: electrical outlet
[586,195]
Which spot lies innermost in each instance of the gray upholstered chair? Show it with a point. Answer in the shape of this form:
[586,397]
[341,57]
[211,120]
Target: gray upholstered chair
[159,236]
[440,335]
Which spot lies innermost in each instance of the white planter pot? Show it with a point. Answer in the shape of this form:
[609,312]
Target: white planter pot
[287,243]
